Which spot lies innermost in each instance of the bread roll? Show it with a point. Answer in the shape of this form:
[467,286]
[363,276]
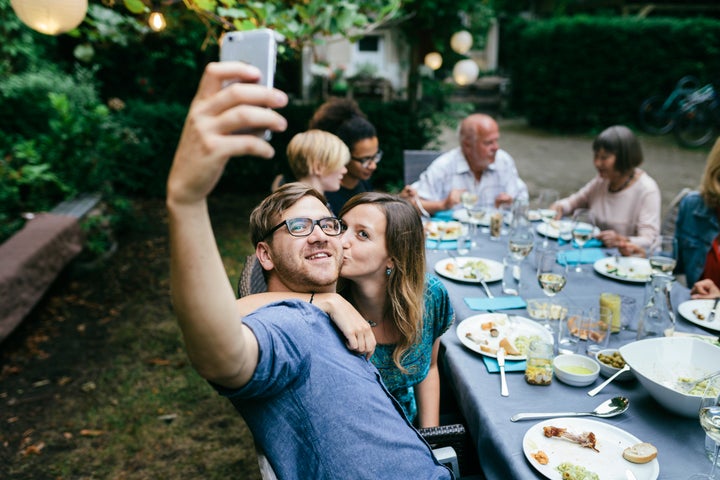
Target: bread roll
[640,453]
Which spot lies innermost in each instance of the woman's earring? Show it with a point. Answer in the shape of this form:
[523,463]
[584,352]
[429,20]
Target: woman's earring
[388,271]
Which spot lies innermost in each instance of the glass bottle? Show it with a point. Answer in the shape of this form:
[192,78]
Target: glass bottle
[657,318]
[539,368]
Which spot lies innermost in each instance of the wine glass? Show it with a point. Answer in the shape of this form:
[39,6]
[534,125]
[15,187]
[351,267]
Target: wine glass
[521,241]
[583,230]
[545,198]
[661,254]
[469,201]
[709,415]
[551,275]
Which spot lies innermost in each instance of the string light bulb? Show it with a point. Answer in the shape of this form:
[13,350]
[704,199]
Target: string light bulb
[465,72]
[156,20]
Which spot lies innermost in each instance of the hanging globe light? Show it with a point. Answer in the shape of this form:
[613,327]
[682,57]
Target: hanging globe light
[461,42]
[433,60]
[51,17]
[465,72]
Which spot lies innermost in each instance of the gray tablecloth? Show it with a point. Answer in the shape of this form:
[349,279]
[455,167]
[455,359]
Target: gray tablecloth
[680,440]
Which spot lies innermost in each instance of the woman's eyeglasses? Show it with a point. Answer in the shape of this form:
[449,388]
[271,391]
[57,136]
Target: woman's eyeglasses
[303,227]
[365,161]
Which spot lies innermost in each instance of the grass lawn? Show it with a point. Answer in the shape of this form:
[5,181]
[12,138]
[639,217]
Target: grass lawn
[96,384]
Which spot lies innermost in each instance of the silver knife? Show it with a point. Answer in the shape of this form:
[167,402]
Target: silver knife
[503,381]
[711,317]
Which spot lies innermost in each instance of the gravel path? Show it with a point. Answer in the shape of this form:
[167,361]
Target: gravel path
[564,162]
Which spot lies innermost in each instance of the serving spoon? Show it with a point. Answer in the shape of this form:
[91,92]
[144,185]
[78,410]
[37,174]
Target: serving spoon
[597,389]
[609,408]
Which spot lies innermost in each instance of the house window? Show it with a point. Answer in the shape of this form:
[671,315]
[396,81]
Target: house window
[369,44]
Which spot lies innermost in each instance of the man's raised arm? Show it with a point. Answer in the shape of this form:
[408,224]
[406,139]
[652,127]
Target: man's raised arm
[219,345]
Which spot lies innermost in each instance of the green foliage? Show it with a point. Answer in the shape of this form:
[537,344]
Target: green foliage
[591,72]
[64,142]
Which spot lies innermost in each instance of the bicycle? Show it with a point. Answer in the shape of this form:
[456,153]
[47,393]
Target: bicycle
[657,113]
[698,120]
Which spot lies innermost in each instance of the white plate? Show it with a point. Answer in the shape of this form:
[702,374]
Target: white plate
[519,330]
[691,308]
[536,215]
[627,269]
[449,230]
[459,268]
[461,215]
[608,463]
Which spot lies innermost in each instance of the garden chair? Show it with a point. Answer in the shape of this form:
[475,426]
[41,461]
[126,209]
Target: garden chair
[415,162]
[669,219]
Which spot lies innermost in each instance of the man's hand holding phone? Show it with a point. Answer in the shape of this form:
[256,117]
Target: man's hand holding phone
[255,47]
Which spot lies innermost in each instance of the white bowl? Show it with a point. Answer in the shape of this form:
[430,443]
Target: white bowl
[659,362]
[607,370]
[562,362]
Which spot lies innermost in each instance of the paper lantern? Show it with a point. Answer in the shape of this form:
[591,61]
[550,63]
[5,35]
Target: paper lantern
[465,72]
[51,17]
[157,22]
[433,60]
[461,41]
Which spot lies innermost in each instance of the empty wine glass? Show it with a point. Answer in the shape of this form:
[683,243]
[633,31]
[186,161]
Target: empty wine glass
[709,415]
[662,254]
[468,200]
[545,198]
[550,274]
[583,230]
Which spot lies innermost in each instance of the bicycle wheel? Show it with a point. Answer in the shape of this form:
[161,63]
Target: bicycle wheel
[694,125]
[654,118]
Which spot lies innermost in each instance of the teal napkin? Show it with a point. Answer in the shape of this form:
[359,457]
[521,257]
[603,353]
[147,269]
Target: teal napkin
[593,242]
[510,365]
[497,303]
[443,215]
[573,257]
[444,245]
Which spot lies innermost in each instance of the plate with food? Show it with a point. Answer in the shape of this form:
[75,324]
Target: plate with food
[443,231]
[469,269]
[538,214]
[698,312]
[553,228]
[627,269]
[487,332]
[583,447]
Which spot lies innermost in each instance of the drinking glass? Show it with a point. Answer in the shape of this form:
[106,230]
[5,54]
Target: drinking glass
[583,230]
[662,254]
[595,329]
[551,275]
[521,241]
[469,199]
[568,335]
[709,415]
[545,198]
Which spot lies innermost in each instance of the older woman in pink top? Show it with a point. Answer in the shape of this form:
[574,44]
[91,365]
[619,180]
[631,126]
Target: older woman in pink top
[624,199]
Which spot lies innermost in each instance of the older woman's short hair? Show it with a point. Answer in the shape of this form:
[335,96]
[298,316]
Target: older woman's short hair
[316,152]
[710,183]
[621,142]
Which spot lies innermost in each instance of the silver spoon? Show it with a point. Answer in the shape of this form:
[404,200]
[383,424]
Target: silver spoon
[609,408]
[604,384]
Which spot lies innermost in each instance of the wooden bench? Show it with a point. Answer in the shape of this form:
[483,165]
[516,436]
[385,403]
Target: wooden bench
[31,259]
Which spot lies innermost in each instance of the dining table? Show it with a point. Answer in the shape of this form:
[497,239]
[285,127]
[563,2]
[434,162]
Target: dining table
[499,441]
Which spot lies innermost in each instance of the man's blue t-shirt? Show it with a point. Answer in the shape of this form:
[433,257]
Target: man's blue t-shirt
[318,410]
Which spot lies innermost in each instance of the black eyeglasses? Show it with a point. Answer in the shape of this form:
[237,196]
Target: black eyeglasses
[303,227]
[365,161]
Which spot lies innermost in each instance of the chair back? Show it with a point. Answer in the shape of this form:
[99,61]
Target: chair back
[252,279]
[668,222]
[415,162]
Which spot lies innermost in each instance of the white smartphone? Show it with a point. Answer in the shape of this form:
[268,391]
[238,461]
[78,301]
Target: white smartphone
[256,47]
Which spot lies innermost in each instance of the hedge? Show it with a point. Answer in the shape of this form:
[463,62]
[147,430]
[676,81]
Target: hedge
[579,73]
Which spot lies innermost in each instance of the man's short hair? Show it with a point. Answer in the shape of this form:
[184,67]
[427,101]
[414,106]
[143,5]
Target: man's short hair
[266,215]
